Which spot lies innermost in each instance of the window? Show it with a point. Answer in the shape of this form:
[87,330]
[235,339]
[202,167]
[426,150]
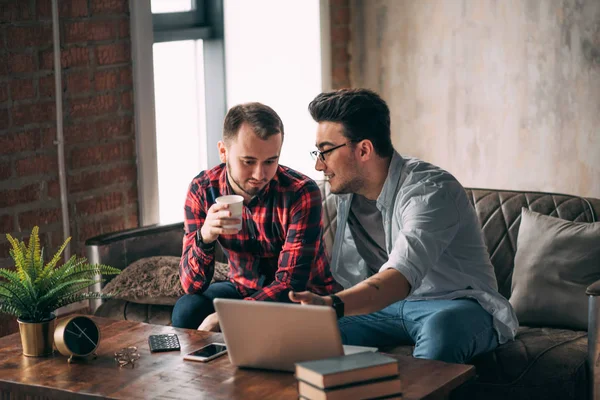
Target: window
[180,122]
[175,44]
[169,6]
[182,29]
[274,56]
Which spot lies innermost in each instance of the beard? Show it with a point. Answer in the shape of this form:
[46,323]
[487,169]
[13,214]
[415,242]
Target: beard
[346,186]
[351,186]
[250,191]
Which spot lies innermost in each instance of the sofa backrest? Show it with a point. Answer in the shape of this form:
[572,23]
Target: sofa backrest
[499,212]
[119,249]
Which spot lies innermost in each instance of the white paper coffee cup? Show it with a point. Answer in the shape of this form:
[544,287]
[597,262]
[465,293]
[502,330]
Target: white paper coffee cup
[235,207]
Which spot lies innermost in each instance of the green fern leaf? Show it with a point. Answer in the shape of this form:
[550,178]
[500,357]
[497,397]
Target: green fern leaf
[93,270]
[50,266]
[10,309]
[40,269]
[23,248]
[67,268]
[6,300]
[21,263]
[63,288]
[80,297]
[10,276]
[18,295]
[34,243]
[17,255]
[56,275]
[73,290]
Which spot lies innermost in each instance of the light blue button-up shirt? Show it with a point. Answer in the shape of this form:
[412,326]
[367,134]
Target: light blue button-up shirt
[432,236]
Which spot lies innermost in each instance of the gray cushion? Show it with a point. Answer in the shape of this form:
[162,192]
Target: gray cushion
[555,262]
[153,280]
[499,212]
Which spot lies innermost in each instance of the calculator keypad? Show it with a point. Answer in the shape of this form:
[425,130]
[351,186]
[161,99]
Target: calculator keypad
[165,342]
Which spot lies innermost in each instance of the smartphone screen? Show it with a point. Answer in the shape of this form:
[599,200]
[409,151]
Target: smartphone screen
[209,351]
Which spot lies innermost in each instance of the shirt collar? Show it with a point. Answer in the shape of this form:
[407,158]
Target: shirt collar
[224,186]
[390,186]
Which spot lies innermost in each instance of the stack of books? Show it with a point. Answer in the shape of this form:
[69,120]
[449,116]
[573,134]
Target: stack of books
[356,376]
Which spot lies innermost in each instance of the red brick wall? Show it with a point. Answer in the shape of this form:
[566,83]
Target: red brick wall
[98,121]
[340,40]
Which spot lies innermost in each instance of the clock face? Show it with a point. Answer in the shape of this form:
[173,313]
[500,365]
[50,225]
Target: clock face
[81,336]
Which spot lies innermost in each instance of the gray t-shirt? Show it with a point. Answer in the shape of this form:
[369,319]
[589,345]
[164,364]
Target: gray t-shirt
[366,225]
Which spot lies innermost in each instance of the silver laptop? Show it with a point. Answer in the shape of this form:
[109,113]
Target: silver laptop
[267,335]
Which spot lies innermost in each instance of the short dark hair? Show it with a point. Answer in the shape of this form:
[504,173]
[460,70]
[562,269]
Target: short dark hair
[362,112]
[263,119]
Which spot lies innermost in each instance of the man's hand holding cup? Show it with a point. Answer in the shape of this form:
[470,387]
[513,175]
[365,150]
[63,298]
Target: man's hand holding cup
[223,218]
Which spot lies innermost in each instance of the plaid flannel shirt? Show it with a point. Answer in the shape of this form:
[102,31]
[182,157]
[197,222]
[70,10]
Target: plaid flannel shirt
[279,248]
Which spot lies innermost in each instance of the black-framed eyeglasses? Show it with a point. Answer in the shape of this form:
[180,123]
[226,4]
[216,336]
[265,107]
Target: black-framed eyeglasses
[321,154]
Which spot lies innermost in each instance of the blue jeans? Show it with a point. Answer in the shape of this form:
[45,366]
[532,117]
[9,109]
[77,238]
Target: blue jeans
[191,309]
[446,330]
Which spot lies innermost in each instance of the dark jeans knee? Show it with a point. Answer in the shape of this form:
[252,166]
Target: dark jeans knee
[190,310]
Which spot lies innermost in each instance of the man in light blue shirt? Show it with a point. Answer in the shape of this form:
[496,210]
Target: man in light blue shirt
[409,249]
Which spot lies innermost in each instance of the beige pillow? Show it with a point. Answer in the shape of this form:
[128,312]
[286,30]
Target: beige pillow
[556,261]
[154,280]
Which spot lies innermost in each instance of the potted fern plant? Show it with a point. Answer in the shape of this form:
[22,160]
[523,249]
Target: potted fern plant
[33,291]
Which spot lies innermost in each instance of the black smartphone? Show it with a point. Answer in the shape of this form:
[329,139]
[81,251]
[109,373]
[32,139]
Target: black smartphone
[207,353]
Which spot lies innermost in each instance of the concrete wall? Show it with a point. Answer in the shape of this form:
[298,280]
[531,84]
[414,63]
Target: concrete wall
[504,94]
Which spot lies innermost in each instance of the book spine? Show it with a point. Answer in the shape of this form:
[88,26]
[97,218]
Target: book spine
[351,384]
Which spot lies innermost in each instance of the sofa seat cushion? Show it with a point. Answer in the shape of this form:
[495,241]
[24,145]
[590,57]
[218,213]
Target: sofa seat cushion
[537,355]
[541,363]
[127,310]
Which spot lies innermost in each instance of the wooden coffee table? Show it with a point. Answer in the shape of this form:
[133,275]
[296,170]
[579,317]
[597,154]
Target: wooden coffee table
[168,376]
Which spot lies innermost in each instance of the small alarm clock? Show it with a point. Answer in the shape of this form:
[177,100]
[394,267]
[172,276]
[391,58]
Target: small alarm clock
[76,336]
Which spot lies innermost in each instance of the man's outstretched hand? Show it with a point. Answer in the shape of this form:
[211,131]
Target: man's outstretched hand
[310,298]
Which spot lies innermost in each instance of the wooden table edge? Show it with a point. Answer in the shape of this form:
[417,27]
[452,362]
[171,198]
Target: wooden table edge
[450,385]
[32,390]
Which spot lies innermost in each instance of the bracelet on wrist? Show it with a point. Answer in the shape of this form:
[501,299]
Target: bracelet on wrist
[200,243]
[338,305]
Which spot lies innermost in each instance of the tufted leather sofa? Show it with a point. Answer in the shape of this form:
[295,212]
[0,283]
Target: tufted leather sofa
[542,363]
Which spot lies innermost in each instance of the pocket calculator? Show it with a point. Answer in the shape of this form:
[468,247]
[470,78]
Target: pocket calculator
[164,342]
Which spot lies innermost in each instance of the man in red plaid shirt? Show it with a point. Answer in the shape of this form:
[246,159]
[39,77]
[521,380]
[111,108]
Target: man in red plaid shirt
[280,247]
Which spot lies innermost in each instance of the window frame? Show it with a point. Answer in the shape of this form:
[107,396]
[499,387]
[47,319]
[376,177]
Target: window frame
[204,21]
